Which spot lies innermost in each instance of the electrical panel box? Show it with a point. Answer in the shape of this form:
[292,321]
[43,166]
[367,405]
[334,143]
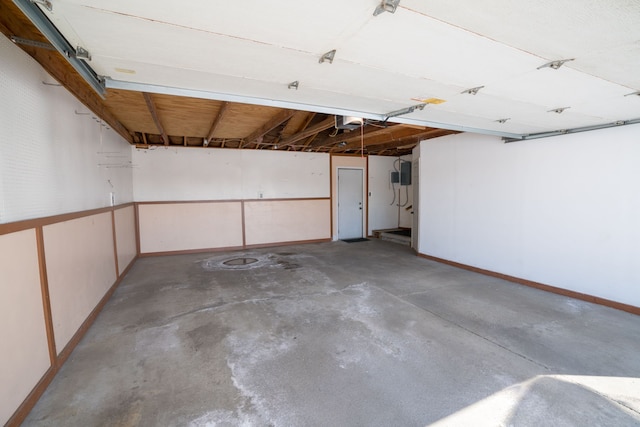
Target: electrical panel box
[405,173]
[402,177]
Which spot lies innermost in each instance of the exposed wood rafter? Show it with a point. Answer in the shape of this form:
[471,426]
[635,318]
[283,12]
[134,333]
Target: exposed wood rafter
[267,127]
[354,136]
[313,130]
[408,141]
[217,121]
[154,113]
[380,136]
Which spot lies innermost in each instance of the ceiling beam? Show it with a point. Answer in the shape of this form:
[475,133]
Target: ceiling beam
[14,23]
[297,123]
[355,136]
[406,141]
[216,122]
[313,130]
[380,136]
[154,113]
[305,144]
[307,120]
[267,127]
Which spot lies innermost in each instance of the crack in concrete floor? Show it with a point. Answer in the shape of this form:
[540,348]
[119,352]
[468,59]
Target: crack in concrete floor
[346,339]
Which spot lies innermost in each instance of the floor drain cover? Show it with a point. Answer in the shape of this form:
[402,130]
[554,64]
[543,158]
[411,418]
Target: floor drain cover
[240,261]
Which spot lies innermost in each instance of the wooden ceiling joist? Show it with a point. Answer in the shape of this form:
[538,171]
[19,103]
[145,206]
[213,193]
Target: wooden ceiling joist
[267,127]
[298,122]
[216,122]
[354,137]
[407,142]
[313,130]
[154,113]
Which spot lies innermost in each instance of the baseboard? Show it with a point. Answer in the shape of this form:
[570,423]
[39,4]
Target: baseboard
[548,288]
[32,398]
[27,405]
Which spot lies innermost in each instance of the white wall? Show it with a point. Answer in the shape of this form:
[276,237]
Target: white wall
[405,198]
[384,212]
[182,173]
[52,160]
[562,211]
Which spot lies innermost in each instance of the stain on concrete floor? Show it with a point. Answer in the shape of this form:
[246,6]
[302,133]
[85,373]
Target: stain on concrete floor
[336,334]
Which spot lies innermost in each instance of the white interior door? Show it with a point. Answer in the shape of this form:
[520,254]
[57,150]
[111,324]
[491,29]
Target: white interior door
[350,203]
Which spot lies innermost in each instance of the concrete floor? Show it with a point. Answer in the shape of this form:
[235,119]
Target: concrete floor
[338,334]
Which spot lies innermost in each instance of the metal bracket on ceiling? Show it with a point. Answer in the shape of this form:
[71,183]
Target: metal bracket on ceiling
[328,57]
[39,19]
[558,110]
[502,121]
[637,93]
[403,111]
[82,53]
[386,6]
[555,64]
[44,3]
[472,91]
[32,43]
[294,85]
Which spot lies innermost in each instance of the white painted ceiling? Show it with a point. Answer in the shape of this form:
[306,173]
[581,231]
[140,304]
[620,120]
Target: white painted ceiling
[426,49]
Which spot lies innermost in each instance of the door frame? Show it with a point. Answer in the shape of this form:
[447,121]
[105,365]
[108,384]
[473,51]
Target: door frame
[364,198]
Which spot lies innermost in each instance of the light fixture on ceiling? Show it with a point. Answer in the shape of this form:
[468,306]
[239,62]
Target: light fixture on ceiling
[555,64]
[502,121]
[558,110]
[294,85]
[472,91]
[386,6]
[205,142]
[328,57]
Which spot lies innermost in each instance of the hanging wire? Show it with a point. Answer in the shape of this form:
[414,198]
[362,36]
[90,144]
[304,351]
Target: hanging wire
[362,139]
